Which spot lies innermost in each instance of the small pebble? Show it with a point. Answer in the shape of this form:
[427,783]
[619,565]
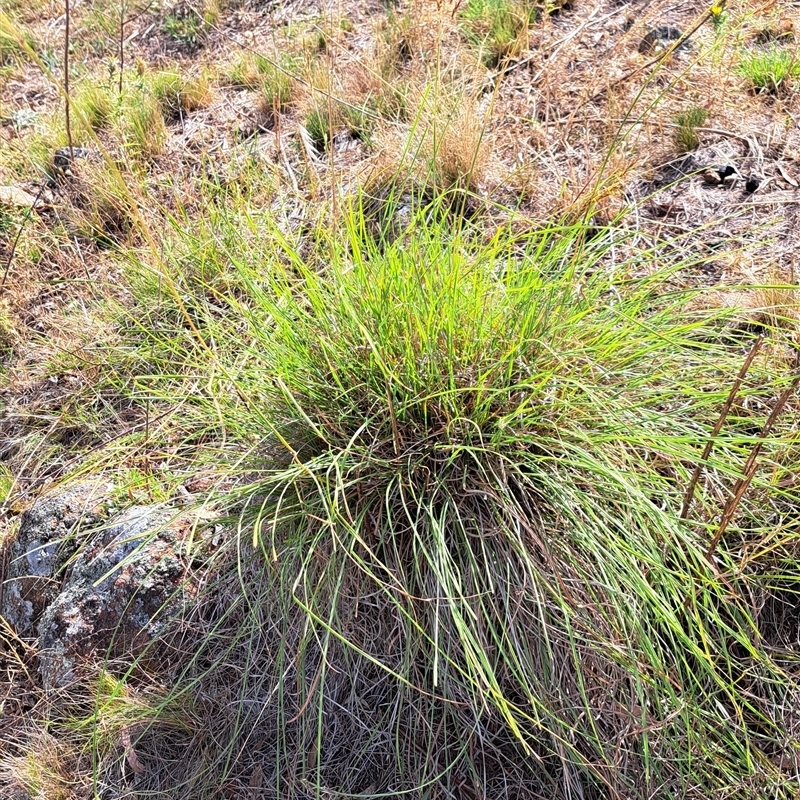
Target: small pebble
[661,38]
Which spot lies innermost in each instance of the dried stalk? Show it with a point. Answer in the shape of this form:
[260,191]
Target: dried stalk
[66,80]
[687,502]
[13,252]
[749,470]
[121,54]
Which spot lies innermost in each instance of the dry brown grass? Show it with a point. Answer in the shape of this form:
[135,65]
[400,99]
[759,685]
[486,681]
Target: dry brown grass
[46,769]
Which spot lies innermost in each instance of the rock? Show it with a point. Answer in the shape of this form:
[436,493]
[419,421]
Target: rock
[124,584]
[720,174]
[90,587]
[46,539]
[662,38]
[64,158]
[752,183]
[711,177]
[15,197]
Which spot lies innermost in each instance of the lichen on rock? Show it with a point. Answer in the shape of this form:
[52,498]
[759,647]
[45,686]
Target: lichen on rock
[122,586]
[89,587]
[47,537]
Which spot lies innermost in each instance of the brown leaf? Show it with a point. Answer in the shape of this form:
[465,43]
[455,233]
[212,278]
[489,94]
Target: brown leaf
[130,753]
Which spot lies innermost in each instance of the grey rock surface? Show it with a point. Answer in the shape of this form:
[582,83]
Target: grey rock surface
[123,585]
[90,587]
[48,536]
[662,38]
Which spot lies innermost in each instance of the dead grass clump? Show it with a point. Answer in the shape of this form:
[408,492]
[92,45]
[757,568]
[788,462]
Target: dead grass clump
[771,307]
[369,85]
[449,149]
[422,38]
[461,155]
[96,208]
[597,198]
[406,38]
[45,767]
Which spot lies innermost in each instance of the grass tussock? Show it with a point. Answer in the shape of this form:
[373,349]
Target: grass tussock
[467,470]
[687,137]
[247,70]
[499,28]
[771,70]
[465,475]
[94,106]
[277,88]
[143,127]
[179,93]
